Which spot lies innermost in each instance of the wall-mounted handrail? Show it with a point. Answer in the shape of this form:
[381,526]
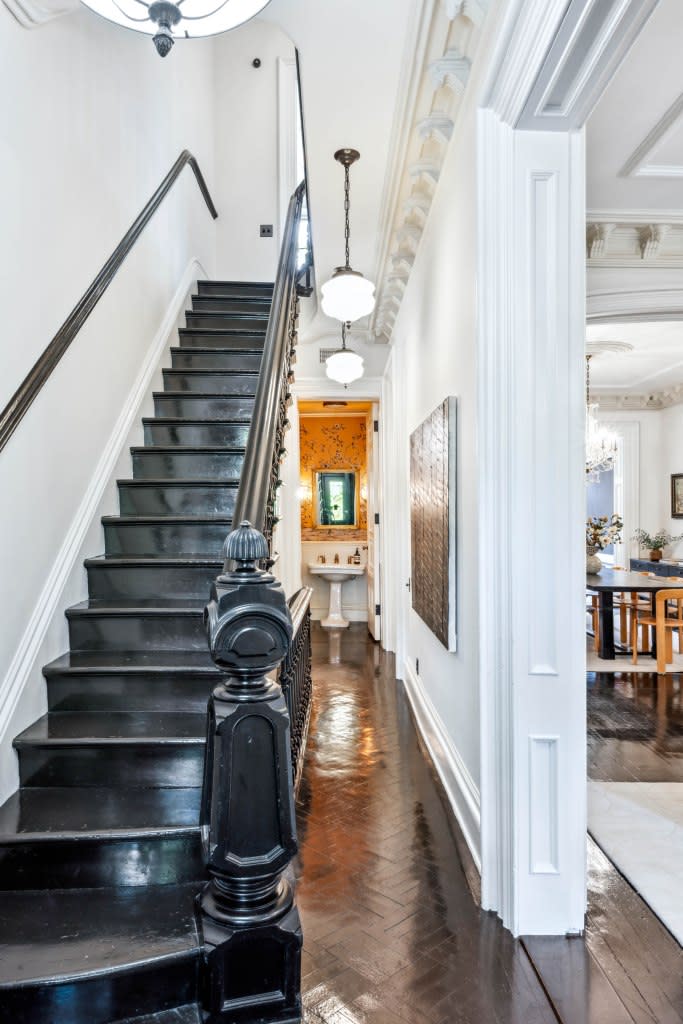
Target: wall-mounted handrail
[41,370]
[260,455]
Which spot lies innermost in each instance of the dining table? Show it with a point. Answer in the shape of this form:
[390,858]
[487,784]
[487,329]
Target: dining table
[609,582]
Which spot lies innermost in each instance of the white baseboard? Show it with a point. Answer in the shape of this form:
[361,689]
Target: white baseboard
[48,602]
[459,785]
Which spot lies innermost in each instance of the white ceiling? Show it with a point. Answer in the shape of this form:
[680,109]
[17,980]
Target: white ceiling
[635,135]
[654,365]
[350,53]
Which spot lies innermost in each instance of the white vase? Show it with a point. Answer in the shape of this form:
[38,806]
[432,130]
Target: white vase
[593,563]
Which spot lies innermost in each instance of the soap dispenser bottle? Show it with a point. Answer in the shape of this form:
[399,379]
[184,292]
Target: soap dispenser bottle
[356,557]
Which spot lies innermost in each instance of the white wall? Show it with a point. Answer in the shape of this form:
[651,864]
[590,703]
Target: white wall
[246,116]
[95,121]
[433,356]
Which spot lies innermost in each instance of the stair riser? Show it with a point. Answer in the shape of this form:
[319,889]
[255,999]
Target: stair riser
[234,288]
[152,464]
[102,632]
[154,692]
[232,384]
[230,304]
[90,864]
[196,407]
[166,539]
[148,582]
[227,321]
[110,764]
[186,359]
[100,1000]
[228,435]
[160,499]
[190,339]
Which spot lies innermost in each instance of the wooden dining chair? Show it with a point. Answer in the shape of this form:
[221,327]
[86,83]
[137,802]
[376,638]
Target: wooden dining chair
[663,624]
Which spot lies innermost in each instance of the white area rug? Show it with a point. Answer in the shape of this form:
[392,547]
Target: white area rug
[639,825]
[623,663]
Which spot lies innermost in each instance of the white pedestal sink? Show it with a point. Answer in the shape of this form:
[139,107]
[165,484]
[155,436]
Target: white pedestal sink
[335,576]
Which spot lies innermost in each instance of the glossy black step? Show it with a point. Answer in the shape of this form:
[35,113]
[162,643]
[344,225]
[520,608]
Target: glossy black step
[185,405]
[254,305]
[211,382]
[161,624]
[132,681]
[134,750]
[204,338]
[129,579]
[199,433]
[176,463]
[176,497]
[216,358]
[82,837]
[130,536]
[233,288]
[227,321]
[93,956]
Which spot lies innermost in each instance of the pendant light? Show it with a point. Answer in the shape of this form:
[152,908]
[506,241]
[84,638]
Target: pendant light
[344,365]
[601,443]
[347,295]
[185,19]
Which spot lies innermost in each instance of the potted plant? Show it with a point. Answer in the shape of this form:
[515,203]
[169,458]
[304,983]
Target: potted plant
[655,542]
[601,531]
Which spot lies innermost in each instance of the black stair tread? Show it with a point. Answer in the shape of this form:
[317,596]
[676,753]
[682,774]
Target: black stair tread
[213,371]
[53,936]
[253,284]
[68,812]
[194,561]
[177,481]
[242,298]
[185,449]
[67,728]
[119,662]
[221,332]
[169,520]
[197,350]
[196,394]
[164,421]
[120,606]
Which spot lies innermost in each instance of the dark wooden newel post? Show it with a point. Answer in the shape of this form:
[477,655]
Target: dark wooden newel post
[247,915]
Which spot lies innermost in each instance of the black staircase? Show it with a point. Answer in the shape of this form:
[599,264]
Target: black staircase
[101,849]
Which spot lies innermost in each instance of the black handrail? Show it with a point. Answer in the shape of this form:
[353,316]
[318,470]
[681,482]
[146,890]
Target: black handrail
[39,373]
[256,478]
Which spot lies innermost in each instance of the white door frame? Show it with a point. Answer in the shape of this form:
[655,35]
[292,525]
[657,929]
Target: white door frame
[550,66]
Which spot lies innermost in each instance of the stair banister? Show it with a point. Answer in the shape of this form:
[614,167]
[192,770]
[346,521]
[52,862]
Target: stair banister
[40,372]
[254,501]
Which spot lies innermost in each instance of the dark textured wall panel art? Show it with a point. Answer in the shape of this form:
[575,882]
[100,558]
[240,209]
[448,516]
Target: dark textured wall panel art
[432,521]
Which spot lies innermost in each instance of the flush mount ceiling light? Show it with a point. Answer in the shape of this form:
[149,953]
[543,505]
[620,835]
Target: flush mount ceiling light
[347,295]
[186,19]
[344,365]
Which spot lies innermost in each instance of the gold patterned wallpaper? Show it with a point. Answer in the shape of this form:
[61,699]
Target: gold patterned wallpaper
[330,442]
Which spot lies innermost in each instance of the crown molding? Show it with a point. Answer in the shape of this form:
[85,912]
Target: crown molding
[441,44]
[633,239]
[32,15]
[640,163]
[655,400]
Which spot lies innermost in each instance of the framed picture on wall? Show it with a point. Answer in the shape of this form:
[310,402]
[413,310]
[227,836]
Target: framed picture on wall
[677,495]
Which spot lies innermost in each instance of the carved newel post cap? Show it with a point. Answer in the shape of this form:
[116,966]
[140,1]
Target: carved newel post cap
[246,546]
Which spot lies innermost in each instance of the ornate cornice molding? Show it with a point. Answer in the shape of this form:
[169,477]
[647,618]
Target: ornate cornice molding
[635,238]
[655,400]
[441,45]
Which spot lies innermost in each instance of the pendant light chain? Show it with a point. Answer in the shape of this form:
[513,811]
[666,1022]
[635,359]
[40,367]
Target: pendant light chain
[588,381]
[347,209]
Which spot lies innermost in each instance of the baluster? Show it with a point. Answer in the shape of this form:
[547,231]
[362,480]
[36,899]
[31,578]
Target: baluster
[247,916]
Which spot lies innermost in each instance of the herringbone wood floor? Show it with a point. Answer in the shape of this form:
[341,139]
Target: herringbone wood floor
[392,933]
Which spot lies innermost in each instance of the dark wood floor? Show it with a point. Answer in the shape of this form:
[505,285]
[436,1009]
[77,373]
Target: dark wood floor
[392,933]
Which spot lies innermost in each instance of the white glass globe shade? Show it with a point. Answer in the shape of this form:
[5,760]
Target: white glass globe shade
[199,17]
[344,366]
[347,296]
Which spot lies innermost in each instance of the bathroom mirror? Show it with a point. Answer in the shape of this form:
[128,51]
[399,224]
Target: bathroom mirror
[336,493]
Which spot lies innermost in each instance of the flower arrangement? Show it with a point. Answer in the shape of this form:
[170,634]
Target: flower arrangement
[601,531]
[655,541]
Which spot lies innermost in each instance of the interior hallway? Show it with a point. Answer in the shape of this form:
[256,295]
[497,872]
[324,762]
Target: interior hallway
[392,932]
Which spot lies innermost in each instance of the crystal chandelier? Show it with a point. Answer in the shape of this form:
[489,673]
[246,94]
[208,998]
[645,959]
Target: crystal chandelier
[344,365]
[184,19]
[347,295]
[601,443]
